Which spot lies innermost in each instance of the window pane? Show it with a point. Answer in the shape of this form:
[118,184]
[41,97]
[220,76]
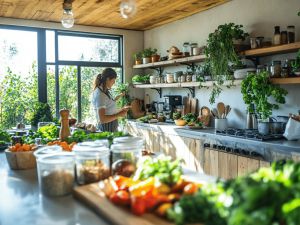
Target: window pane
[18,76]
[50,46]
[88,75]
[88,49]
[68,89]
[51,91]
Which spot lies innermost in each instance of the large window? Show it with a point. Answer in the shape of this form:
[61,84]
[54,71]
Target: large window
[54,66]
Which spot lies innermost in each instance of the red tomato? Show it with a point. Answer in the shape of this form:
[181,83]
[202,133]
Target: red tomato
[120,198]
[120,181]
[138,206]
[150,200]
[190,189]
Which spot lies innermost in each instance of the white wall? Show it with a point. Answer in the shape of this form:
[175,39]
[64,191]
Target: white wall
[133,41]
[258,17]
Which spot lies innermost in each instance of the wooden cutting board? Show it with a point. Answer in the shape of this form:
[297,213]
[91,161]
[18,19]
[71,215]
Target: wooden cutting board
[93,196]
[194,105]
[186,105]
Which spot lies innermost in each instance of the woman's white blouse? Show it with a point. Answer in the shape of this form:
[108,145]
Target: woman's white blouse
[101,100]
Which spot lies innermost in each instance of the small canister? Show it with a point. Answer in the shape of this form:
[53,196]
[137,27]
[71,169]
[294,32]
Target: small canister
[188,78]
[170,78]
[182,78]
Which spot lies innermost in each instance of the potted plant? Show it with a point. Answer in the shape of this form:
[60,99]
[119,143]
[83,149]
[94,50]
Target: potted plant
[220,52]
[258,91]
[41,113]
[155,57]
[296,65]
[147,53]
[138,58]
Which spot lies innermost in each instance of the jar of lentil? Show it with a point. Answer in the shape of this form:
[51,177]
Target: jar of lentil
[92,163]
[291,34]
[275,69]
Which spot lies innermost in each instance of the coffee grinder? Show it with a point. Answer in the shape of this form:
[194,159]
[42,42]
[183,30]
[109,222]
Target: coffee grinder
[171,102]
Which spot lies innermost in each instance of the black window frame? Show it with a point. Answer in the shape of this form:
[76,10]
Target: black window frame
[42,60]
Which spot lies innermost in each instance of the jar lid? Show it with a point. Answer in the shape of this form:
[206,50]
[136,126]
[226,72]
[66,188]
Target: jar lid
[57,158]
[91,143]
[47,150]
[126,147]
[291,26]
[86,148]
[129,139]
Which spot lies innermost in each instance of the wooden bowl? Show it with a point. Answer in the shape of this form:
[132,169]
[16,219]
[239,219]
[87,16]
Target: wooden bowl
[180,122]
[20,160]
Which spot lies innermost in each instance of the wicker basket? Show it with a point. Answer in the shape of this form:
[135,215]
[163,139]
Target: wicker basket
[20,160]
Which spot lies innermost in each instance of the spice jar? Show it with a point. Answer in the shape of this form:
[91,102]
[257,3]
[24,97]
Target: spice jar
[188,78]
[186,49]
[182,78]
[92,163]
[277,36]
[291,34]
[283,37]
[170,78]
[125,157]
[56,174]
[276,69]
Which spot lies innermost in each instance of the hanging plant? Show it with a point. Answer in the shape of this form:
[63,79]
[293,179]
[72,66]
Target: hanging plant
[257,90]
[220,53]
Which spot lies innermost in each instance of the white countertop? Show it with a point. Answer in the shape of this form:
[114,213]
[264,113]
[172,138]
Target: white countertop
[22,204]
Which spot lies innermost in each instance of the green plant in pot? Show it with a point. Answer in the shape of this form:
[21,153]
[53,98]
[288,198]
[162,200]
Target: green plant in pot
[41,113]
[146,54]
[296,65]
[220,52]
[258,91]
[138,58]
[155,57]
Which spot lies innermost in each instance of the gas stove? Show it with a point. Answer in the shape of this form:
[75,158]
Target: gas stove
[249,134]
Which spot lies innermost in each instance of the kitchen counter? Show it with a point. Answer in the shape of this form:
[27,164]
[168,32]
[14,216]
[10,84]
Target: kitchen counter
[21,203]
[271,150]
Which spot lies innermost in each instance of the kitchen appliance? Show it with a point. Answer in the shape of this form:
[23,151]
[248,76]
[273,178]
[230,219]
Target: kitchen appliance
[249,134]
[171,102]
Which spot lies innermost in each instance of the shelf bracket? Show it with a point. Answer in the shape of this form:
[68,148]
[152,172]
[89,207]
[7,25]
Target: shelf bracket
[159,70]
[159,91]
[192,90]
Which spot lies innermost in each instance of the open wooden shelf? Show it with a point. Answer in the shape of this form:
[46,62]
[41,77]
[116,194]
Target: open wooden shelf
[289,80]
[173,62]
[279,49]
[185,84]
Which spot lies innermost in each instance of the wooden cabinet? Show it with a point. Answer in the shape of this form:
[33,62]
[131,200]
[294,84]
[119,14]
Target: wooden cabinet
[227,166]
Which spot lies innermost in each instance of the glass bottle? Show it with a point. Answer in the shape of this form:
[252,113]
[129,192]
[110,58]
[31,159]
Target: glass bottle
[276,69]
[277,36]
[291,34]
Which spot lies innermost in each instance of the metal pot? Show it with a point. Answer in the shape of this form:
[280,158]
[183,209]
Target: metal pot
[277,127]
[263,128]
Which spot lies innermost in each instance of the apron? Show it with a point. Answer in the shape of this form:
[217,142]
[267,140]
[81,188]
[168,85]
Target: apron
[111,126]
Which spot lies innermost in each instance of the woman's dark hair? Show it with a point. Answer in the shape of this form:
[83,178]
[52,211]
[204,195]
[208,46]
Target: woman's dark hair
[101,78]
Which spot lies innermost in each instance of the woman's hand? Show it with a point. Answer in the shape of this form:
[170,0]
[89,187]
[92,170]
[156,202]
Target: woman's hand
[123,112]
[119,96]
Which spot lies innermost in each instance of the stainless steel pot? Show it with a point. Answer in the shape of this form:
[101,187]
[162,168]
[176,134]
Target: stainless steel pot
[263,128]
[277,127]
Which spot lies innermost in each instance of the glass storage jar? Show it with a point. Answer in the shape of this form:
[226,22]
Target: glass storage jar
[47,150]
[291,34]
[125,157]
[92,163]
[275,69]
[186,49]
[56,173]
[130,140]
[192,46]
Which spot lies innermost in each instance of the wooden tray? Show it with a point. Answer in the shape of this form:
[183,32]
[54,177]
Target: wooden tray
[93,196]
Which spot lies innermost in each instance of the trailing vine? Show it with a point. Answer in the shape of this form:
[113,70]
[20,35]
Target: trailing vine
[220,53]
[257,90]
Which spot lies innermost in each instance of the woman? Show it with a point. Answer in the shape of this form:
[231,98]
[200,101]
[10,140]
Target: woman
[103,103]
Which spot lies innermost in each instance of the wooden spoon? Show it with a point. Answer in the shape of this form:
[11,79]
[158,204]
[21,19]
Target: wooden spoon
[221,109]
[227,110]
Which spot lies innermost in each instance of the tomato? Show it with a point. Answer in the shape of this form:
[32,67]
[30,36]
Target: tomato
[138,205]
[150,200]
[120,198]
[190,189]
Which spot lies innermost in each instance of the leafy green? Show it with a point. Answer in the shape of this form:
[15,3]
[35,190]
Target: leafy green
[270,196]
[162,168]
[189,117]
[141,78]
[119,89]
[4,136]
[257,89]
[50,132]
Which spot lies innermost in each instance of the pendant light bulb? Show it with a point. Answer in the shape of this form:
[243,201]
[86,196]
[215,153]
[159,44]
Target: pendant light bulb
[67,19]
[127,8]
